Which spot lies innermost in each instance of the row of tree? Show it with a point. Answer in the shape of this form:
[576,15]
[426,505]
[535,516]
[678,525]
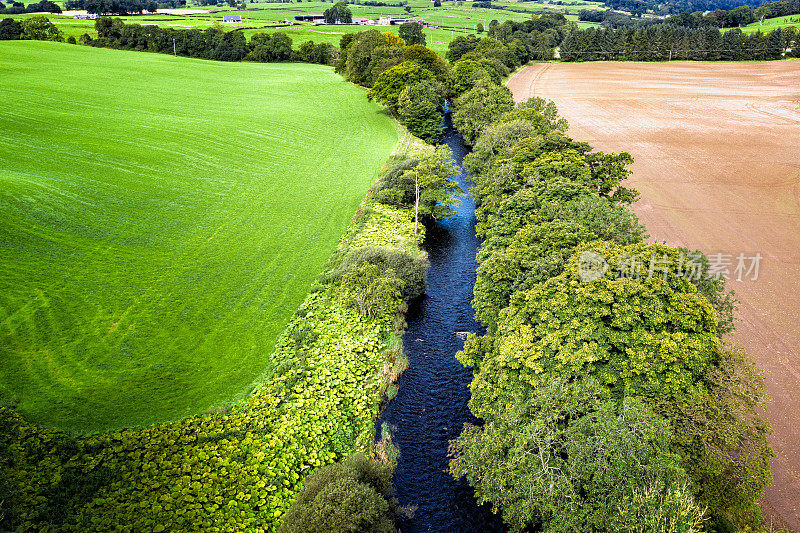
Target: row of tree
[18,8]
[36,28]
[211,43]
[663,42]
[608,400]
[408,78]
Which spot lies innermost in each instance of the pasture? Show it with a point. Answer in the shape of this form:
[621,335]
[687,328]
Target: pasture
[715,148]
[160,220]
[451,19]
[773,24]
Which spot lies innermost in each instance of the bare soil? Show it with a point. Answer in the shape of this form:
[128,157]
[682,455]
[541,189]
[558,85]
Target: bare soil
[717,163]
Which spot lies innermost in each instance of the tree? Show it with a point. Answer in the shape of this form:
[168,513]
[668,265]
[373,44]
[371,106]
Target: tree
[428,59]
[10,30]
[232,47]
[411,33]
[420,110]
[39,28]
[480,106]
[339,13]
[564,458]
[343,497]
[479,28]
[391,83]
[434,189]
[393,39]
[370,290]
[266,48]
[363,53]
[466,74]
[652,335]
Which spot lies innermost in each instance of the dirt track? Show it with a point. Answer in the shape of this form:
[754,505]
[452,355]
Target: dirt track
[717,150]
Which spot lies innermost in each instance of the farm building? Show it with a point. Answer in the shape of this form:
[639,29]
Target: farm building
[231,18]
[316,19]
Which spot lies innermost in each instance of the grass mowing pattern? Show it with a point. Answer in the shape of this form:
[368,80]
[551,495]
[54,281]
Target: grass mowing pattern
[161,219]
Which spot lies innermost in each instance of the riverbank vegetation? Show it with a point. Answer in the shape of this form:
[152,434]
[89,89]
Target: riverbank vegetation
[609,397]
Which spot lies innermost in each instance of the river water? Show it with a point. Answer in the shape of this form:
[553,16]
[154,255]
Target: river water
[431,406]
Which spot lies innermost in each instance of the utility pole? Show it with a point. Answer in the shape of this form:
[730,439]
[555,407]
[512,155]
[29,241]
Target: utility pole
[670,54]
[174,48]
[416,201]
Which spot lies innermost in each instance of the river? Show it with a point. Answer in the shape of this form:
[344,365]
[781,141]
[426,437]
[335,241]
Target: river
[431,406]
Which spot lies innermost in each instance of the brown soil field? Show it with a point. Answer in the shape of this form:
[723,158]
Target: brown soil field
[717,163]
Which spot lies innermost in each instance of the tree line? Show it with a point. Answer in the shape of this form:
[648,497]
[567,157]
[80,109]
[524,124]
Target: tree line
[665,41]
[608,400]
[642,42]
[18,8]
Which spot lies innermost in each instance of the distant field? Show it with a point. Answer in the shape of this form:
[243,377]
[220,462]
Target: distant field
[453,19]
[773,23]
[160,220]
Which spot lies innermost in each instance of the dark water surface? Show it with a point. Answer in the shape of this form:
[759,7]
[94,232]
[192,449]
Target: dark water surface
[431,407]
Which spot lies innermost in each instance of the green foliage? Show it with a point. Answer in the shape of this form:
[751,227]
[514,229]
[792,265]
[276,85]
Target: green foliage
[419,109]
[580,462]
[410,270]
[339,13]
[368,55]
[396,187]
[391,83]
[653,336]
[411,33]
[39,28]
[571,295]
[479,106]
[427,59]
[433,178]
[344,497]
[10,30]
[466,74]
[232,47]
[311,52]
[268,48]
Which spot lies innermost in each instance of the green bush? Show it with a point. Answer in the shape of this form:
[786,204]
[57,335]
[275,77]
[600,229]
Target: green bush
[370,290]
[352,496]
[412,271]
[395,188]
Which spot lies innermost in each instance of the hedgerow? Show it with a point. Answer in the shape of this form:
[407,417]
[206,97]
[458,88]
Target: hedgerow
[237,469]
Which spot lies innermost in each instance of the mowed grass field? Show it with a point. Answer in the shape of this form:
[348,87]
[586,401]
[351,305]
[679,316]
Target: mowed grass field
[160,220]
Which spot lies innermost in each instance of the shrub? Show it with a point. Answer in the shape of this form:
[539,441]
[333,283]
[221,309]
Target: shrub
[370,291]
[344,497]
[411,271]
[10,30]
[395,188]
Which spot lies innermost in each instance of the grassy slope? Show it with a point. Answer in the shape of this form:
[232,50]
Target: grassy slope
[160,220]
[772,24]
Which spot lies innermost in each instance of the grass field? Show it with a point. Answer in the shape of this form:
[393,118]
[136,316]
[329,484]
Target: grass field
[451,18]
[160,220]
[772,24]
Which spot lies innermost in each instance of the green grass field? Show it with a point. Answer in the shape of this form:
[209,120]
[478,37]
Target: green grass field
[160,220]
[451,18]
[772,24]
